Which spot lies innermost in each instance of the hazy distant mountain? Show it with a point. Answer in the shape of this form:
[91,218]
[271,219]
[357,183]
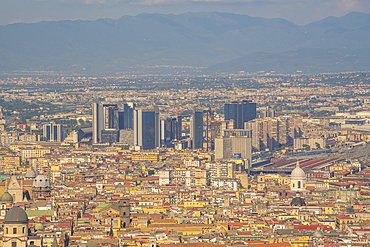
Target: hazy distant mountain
[237,42]
[305,61]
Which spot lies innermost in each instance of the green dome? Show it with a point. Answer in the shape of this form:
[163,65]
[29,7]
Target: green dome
[39,226]
[6,197]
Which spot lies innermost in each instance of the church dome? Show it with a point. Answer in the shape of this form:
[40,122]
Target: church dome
[6,197]
[39,226]
[318,234]
[349,210]
[119,189]
[16,215]
[41,181]
[30,174]
[298,173]
[298,201]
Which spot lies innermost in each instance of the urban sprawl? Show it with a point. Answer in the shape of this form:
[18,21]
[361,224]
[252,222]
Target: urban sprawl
[165,160]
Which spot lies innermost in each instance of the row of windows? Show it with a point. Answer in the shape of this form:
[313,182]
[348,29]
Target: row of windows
[299,185]
[14,230]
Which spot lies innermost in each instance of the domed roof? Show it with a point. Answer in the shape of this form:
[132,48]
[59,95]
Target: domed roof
[6,197]
[350,210]
[16,215]
[41,181]
[298,201]
[119,189]
[318,234]
[30,174]
[39,226]
[298,173]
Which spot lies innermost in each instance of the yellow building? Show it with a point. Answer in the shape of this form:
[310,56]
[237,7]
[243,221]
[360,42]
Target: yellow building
[154,210]
[34,153]
[195,204]
[148,157]
[328,208]
[12,160]
[24,145]
[342,221]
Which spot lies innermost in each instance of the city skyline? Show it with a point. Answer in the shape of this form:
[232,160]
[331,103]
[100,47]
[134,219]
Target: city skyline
[298,173]
[184,123]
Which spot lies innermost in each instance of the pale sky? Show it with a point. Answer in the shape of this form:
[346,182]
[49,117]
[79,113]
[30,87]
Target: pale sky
[297,11]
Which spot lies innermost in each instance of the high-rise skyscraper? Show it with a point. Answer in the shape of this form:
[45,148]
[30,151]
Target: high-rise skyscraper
[146,127]
[240,112]
[121,116]
[201,129]
[128,115]
[53,132]
[171,129]
[105,122]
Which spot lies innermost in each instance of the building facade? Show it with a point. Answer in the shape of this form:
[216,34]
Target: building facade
[146,127]
[128,116]
[233,147]
[201,129]
[105,122]
[171,129]
[53,132]
[272,133]
[240,112]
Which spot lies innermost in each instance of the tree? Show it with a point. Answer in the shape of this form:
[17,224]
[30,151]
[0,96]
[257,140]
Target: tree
[306,147]
[317,145]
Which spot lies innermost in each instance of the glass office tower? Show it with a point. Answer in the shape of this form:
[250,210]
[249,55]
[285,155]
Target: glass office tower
[240,112]
[201,129]
[146,127]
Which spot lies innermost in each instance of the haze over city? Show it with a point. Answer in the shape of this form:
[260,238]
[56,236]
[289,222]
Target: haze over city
[184,123]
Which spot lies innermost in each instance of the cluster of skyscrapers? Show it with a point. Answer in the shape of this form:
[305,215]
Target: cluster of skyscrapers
[108,121]
[275,132]
[145,128]
[140,126]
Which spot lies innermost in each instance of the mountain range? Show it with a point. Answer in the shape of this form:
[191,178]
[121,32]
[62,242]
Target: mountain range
[209,41]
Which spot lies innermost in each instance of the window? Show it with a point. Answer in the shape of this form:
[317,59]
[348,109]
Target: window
[14,244]
[14,230]
[6,231]
[23,230]
[299,184]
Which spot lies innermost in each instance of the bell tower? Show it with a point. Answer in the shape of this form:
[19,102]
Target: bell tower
[124,212]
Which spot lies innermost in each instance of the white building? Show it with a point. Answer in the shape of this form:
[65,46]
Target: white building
[192,163]
[165,177]
[232,184]
[229,147]
[298,179]
[314,143]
